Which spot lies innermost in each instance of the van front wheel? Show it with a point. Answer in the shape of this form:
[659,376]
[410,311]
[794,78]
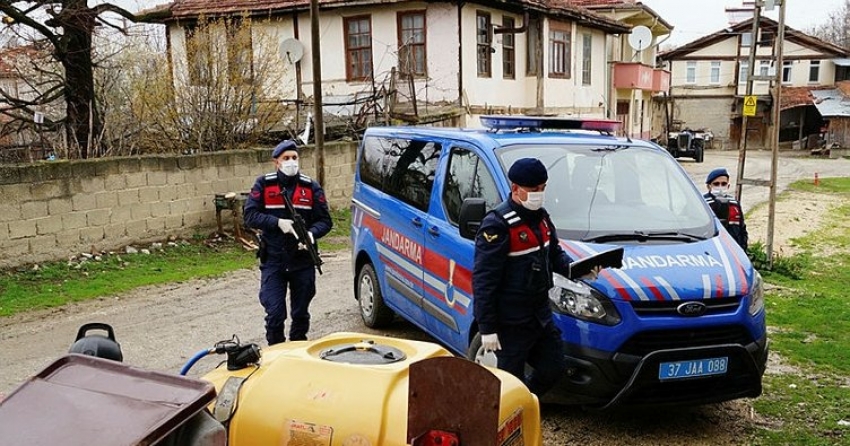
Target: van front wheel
[373,310]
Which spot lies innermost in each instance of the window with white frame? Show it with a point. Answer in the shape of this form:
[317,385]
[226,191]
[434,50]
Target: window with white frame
[786,71]
[743,71]
[715,72]
[586,58]
[764,68]
[747,39]
[691,72]
[814,71]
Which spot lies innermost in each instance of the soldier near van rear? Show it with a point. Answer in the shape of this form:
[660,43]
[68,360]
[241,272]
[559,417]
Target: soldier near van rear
[725,207]
[285,261]
[516,252]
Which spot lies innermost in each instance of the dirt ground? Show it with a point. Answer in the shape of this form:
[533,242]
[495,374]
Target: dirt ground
[161,327]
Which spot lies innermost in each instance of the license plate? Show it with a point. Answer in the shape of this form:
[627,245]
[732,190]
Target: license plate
[690,369]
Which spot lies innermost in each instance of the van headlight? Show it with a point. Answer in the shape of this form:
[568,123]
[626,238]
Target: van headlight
[583,302]
[757,294]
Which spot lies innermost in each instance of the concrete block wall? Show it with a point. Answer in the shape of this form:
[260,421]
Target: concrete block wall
[53,210]
[708,113]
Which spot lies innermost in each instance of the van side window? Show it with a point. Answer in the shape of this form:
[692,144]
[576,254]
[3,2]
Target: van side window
[402,168]
[467,177]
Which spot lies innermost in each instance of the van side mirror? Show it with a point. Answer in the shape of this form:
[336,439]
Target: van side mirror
[472,211]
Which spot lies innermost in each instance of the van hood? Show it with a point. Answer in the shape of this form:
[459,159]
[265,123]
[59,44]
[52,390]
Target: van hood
[710,269]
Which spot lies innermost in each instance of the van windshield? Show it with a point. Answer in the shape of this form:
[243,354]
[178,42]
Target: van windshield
[617,193]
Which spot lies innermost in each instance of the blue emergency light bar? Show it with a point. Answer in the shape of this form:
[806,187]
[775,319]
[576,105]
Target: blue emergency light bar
[549,122]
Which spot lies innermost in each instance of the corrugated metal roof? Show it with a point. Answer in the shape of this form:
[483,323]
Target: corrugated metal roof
[832,103]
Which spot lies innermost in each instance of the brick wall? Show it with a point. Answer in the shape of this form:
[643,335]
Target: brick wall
[52,210]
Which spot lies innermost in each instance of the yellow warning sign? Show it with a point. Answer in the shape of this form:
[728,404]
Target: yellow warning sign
[750,105]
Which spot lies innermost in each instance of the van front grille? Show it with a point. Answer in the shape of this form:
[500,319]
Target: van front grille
[649,341]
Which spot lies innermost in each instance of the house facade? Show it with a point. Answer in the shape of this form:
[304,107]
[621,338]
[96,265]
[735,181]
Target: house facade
[709,83]
[421,62]
[636,79]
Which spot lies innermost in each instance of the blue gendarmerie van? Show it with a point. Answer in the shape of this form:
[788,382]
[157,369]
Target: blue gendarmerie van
[681,322]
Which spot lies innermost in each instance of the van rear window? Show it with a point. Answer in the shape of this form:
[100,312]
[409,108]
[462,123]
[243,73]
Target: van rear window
[403,168]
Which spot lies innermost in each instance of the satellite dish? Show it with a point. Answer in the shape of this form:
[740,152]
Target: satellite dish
[640,38]
[292,50]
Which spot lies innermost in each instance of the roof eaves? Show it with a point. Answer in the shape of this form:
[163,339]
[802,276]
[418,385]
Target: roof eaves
[747,25]
[634,6]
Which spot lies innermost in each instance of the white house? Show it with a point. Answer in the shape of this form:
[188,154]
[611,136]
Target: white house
[442,61]
[709,79]
[635,78]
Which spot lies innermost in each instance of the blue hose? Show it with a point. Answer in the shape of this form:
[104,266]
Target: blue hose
[193,360]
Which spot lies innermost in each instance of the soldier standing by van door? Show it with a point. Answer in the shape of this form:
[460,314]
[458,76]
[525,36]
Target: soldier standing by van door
[725,207]
[284,259]
[516,252]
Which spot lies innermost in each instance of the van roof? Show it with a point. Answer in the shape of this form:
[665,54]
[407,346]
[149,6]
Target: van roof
[490,138]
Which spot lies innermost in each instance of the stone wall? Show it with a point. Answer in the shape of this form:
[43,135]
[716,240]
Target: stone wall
[56,209]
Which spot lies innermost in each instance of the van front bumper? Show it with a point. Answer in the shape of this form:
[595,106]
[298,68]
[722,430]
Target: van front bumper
[604,379]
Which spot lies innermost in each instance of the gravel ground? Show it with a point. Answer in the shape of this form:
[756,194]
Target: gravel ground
[161,327]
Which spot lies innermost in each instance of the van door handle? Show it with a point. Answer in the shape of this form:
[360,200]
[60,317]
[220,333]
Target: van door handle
[417,222]
[433,230]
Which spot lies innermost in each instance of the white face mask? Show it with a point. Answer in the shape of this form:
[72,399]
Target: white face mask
[289,168]
[717,191]
[534,201]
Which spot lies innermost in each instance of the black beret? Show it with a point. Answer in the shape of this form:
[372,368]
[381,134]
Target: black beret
[528,172]
[719,172]
[283,147]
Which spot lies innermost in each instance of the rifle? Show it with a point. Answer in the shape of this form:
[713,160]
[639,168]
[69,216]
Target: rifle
[301,231]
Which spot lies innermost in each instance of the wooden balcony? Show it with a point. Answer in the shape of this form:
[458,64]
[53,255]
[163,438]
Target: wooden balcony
[637,76]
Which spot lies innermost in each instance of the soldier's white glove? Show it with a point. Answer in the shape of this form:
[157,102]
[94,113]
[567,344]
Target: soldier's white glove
[302,246]
[285,226]
[490,342]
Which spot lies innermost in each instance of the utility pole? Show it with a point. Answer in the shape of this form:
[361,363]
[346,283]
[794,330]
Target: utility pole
[742,142]
[774,165]
[317,91]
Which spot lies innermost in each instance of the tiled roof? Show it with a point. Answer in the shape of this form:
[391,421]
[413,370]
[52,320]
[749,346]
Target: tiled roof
[796,96]
[194,8]
[9,57]
[601,2]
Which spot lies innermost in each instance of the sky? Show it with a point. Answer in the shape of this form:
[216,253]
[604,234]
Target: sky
[692,19]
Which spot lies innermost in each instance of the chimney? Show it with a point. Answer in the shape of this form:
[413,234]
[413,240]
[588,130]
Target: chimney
[741,14]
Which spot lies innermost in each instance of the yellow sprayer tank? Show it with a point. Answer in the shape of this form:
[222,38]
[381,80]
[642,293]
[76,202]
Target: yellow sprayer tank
[352,389]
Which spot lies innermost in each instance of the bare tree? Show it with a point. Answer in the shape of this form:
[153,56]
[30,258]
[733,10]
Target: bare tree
[68,26]
[224,94]
[836,29]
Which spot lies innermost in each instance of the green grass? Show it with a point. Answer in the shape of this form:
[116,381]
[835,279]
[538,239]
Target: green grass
[54,284]
[809,317]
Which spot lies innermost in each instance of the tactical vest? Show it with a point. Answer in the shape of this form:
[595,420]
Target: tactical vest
[528,270]
[302,196]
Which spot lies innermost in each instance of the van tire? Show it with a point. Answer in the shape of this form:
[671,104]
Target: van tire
[373,310]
